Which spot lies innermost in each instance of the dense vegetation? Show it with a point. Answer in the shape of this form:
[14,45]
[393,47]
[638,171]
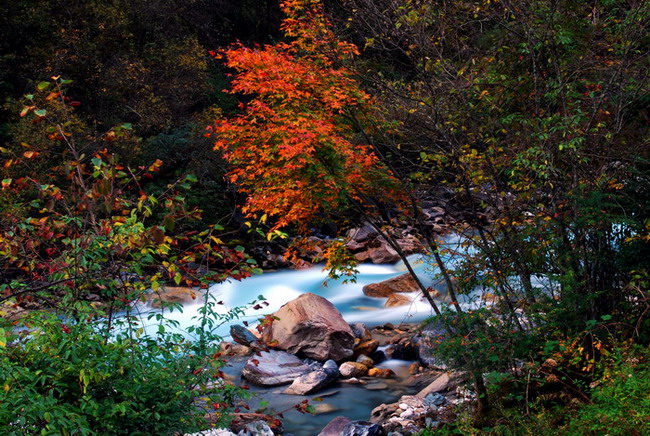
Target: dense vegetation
[532,116]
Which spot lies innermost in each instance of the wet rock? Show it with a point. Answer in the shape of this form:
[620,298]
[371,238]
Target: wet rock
[381,372]
[310,325]
[365,360]
[396,300]
[173,295]
[315,365]
[331,368]
[353,369]
[366,348]
[359,330]
[403,283]
[234,349]
[242,335]
[310,383]
[274,368]
[378,356]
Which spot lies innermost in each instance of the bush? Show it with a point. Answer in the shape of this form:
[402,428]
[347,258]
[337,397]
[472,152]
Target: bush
[70,377]
[620,405]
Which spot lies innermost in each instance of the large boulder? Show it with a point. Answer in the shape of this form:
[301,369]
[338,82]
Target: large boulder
[274,368]
[403,283]
[311,326]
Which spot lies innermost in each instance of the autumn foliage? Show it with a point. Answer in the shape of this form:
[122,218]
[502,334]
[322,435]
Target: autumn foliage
[293,146]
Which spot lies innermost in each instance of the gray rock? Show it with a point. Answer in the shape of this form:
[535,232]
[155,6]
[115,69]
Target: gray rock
[242,335]
[342,426]
[359,330]
[362,428]
[311,382]
[435,399]
[331,368]
[256,428]
[273,368]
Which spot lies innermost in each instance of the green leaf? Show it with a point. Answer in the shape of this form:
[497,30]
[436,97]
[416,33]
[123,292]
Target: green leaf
[40,112]
[177,278]
[43,86]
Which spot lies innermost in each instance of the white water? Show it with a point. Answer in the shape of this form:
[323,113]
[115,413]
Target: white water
[280,287]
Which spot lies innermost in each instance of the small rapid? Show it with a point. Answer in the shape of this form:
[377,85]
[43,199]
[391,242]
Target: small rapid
[280,287]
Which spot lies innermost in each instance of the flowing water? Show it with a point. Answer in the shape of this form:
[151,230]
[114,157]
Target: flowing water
[278,288]
[283,286]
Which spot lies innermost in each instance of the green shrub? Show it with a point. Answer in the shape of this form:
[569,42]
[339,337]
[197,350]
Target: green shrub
[67,377]
[620,405]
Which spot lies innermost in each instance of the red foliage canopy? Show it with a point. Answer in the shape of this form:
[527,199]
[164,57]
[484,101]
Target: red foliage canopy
[292,148]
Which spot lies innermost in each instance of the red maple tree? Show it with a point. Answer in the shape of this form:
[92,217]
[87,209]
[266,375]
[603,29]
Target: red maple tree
[293,147]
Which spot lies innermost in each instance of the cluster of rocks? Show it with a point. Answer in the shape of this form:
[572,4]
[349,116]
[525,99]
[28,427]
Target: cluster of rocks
[429,408]
[368,245]
[309,346]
